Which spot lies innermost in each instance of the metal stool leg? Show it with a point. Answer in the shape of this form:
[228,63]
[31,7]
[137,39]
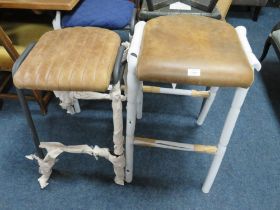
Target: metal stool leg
[239,97]
[265,49]
[30,122]
[208,103]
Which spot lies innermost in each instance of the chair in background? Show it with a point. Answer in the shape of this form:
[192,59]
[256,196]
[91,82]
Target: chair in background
[21,34]
[255,6]
[117,15]
[274,40]
[219,12]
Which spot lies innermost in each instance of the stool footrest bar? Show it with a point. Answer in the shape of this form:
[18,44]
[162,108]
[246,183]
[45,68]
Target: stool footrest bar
[172,91]
[54,149]
[175,145]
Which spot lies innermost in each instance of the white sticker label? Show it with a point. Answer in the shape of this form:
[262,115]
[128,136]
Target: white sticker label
[179,6]
[194,72]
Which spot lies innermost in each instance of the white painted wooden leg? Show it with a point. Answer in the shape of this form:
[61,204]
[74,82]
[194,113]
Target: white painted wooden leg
[133,86]
[239,97]
[57,21]
[77,106]
[140,101]
[207,105]
[132,91]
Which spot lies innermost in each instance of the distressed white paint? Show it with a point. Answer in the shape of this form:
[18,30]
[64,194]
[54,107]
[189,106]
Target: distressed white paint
[133,86]
[140,101]
[242,34]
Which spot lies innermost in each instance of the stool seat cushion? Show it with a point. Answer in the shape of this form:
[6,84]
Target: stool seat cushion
[72,59]
[193,50]
[110,14]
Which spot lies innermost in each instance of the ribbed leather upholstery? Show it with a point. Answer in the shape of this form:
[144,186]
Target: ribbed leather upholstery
[72,59]
[173,46]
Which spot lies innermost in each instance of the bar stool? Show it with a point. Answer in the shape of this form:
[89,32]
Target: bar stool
[116,15]
[82,62]
[188,50]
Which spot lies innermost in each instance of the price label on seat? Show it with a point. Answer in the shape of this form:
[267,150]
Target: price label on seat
[194,72]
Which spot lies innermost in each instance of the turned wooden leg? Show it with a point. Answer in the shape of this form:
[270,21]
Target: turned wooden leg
[207,105]
[134,88]
[204,100]
[38,96]
[239,97]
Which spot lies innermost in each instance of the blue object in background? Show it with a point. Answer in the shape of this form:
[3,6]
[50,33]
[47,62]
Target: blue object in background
[110,14]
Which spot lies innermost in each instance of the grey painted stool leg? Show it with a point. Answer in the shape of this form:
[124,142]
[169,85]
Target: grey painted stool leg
[265,49]
[30,122]
[239,97]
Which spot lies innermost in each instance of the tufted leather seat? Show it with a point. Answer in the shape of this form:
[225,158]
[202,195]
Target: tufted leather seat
[72,59]
[175,49]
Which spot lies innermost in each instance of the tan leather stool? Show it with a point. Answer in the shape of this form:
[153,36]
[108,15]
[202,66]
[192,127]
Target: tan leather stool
[77,63]
[188,50]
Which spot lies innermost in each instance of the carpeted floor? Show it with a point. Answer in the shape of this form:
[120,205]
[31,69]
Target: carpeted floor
[248,178]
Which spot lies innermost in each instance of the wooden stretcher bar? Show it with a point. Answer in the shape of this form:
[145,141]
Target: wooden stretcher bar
[175,145]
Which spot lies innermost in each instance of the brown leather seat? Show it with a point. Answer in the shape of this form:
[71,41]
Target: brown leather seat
[72,59]
[193,50]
